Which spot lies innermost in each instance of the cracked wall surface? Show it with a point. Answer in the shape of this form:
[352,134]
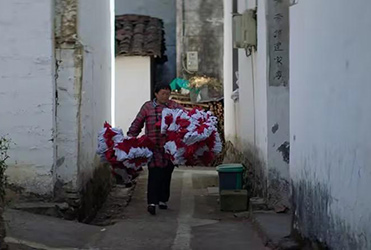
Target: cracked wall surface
[84,70]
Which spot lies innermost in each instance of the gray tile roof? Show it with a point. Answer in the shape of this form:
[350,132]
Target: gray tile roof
[138,35]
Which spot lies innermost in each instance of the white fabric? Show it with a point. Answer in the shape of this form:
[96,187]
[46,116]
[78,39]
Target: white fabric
[133,153]
[171,149]
[194,137]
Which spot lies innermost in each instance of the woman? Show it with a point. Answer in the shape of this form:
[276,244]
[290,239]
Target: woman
[160,168]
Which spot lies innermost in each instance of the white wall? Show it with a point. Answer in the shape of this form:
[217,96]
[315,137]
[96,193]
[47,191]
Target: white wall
[27,92]
[278,100]
[94,29]
[253,88]
[229,108]
[330,121]
[246,97]
[133,88]
[84,91]
[247,90]
[263,106]
[260,87]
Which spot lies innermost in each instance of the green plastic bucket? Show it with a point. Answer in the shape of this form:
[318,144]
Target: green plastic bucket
[230,176]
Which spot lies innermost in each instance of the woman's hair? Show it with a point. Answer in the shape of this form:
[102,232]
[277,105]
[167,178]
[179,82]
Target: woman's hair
[160,86]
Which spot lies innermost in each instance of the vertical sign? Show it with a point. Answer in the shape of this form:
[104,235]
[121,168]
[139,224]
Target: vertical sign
[278,40]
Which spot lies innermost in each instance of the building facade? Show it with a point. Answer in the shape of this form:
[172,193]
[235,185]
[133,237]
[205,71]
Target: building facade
[55,91]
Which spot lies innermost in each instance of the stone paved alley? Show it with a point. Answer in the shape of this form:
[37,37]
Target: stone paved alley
[192,222]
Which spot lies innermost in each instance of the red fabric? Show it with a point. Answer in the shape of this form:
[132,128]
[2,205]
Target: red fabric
[110,156]
[158,124]
[210,142]
[145,142]
[183,123]
[150,115]
[190,151]
[138,162]
[193,111]
[109,134]
[169,119]
[200,129]
[141,142]
[125,145]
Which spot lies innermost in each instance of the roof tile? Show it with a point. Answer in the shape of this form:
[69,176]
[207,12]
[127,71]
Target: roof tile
[138,35]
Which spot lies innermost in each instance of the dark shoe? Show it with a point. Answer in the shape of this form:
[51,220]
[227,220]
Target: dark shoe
[151,209]
[162,205]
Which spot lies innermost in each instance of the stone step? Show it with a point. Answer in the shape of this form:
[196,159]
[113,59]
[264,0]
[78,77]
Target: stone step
[257,204]
[233,200]
[43,208]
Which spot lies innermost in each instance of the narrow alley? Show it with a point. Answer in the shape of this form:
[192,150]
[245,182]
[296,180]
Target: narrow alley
[193,221]
[262,107]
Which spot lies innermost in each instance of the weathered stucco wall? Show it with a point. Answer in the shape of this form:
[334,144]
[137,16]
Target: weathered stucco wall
[165,10]
[84,52]
[278,100]
[27,92]
[330,121]
[262,111]
[56,90]
[69,59]
[133,88]
[251,144]
[201,31]
[251,108]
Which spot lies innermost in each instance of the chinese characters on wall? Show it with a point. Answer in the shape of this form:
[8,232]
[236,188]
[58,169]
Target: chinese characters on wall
[278,42]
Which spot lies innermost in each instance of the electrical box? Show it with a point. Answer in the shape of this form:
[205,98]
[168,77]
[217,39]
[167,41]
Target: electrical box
[244,30]
[192,61]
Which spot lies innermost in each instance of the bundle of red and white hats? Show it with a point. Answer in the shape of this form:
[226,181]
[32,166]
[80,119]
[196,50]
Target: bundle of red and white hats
[192,139]
[192,136]
[123,151]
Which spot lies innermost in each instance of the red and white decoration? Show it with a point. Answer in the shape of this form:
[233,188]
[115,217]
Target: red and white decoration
[192,137]
[119,150]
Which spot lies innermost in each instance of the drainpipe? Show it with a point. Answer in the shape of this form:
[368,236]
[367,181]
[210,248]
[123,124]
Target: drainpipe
[229,110]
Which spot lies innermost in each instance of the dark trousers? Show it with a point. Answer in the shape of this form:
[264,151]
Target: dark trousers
[158,188]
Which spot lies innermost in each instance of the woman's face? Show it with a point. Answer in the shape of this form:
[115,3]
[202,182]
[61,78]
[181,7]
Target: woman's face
[163,96]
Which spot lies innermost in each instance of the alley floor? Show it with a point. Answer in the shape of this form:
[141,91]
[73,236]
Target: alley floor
[193,221]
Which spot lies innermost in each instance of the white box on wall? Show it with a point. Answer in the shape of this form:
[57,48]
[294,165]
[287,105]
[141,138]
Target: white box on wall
[244,29]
